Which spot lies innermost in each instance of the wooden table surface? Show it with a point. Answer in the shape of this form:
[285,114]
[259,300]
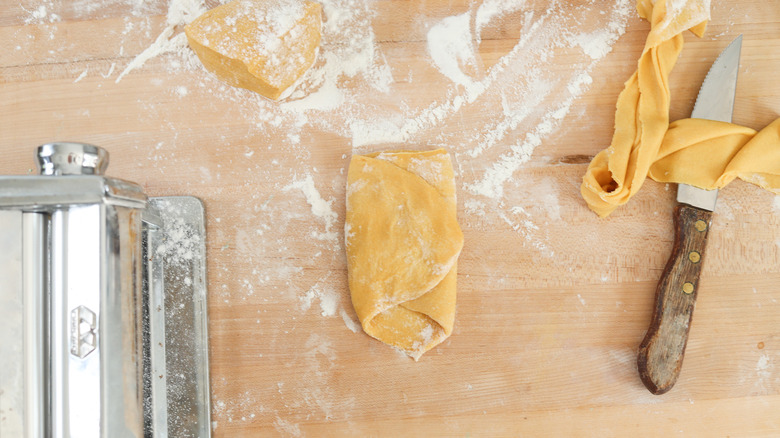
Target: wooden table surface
[552,300]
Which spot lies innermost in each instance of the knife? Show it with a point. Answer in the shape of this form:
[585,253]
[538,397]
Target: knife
[661,352]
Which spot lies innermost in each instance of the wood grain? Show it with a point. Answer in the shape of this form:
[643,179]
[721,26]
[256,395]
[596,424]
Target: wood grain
[662,350]
[553,302]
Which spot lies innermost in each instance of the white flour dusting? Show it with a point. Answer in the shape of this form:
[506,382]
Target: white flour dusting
[329,299]
[42,13]
[284,426]
[82,75]
[163,44]
[180,12]
[491,10]
[763,365]
[451,49]
[348,51]
[319,207]
[474,207]
[351,324]
[329,302]
[180,243]
[519,83]
[764,370]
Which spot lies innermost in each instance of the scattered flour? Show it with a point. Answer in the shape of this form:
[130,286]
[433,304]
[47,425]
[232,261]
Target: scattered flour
[764,371]
[329,299]
[82,75]
[110,71]
[180,12]
[351,324]
[451,49]
[163,44]
[319,207]
[474,207]
[492,10]
[180,243]
[764,364]
[42,13]
[283,426]
[533,105]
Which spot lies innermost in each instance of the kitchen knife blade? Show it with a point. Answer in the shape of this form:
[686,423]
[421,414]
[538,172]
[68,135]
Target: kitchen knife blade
[663,348]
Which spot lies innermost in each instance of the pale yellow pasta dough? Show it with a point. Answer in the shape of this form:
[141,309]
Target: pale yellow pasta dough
[403,241]
[261,45]
[702,153]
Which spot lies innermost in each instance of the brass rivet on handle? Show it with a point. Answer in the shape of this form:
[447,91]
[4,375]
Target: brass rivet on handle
[694,257]
[687,288]
[700,225]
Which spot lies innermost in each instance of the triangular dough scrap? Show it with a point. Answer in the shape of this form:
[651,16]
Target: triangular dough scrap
[403,241]
[261,45]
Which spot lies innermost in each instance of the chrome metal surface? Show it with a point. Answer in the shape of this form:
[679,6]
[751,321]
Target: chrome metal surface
[716,95]
[95,296]
[58,327]
[67,158]
[35,284]
[714,102]
[183,253]
[155,373]
[45,193]
[122,330]
[12,352]
[104,305]
[696,197]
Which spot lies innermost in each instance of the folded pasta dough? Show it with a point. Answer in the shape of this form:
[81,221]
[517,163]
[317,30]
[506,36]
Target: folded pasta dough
[403,241]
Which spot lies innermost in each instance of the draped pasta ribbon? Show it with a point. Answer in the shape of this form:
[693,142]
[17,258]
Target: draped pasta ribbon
[702,153]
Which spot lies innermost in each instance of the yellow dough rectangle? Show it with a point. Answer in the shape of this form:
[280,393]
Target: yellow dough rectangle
[403,241]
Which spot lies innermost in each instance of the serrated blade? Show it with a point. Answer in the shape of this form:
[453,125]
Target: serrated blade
[715,102]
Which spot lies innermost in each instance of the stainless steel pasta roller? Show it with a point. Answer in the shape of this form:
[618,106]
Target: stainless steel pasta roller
[103,317]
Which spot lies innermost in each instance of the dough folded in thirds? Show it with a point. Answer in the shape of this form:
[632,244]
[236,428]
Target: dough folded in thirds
[403,242]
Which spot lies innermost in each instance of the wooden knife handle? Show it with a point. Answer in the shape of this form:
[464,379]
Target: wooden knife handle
[661,352]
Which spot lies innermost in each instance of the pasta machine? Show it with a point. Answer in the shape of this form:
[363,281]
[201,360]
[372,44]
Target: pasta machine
[103,320]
